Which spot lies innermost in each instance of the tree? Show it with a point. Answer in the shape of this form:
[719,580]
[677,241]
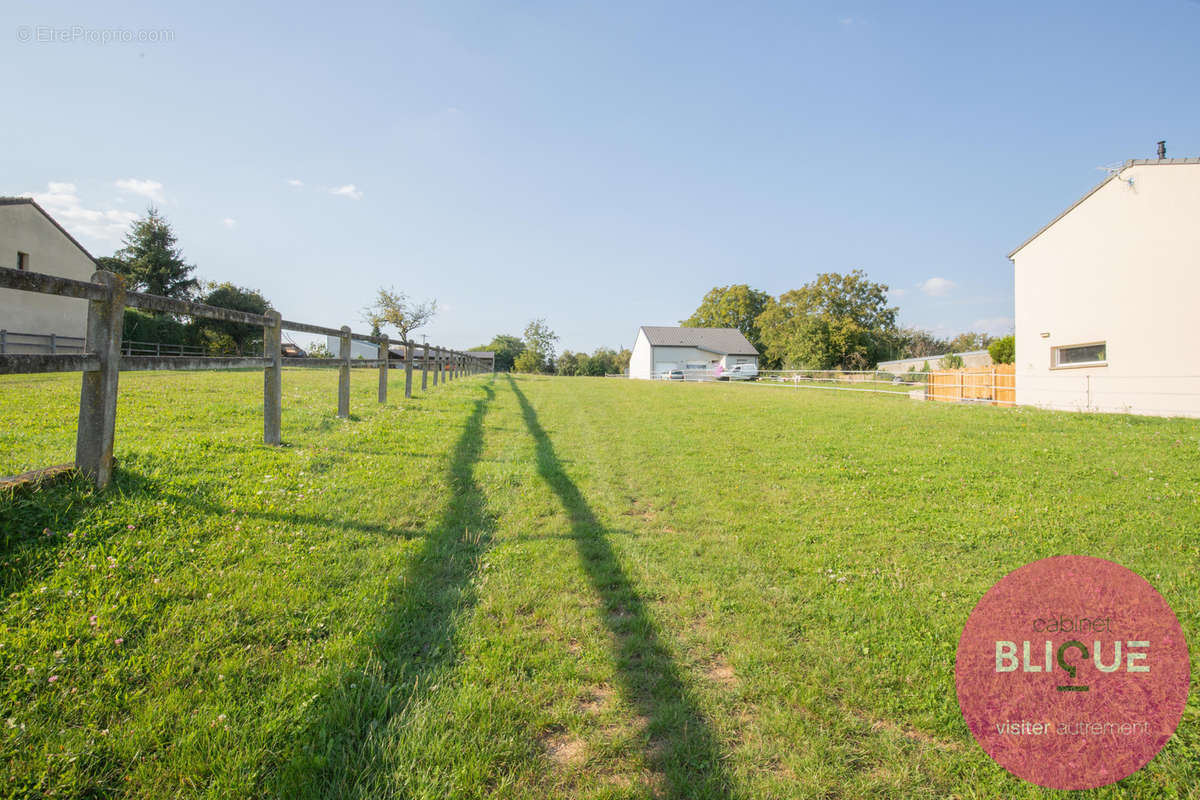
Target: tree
[394,308]
[568,363]
[238,337]
[736,306]
[151,260]
[837,320]
[1003,350]
[919,343]
[966,342]
[506,349]
[529,361]
[539,348]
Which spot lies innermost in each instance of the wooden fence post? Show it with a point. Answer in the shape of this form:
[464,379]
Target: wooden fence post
[344,374]
[424,367]
[384,356]
[272,380]
[408,368]
[98,397]
[437,364]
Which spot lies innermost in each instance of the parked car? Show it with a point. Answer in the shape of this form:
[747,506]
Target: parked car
[671,375]
[741,372]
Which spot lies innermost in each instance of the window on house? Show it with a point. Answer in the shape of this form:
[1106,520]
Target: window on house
[22,260]
[1080,355]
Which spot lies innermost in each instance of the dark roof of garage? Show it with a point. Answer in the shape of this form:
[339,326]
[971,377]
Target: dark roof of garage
[726,341]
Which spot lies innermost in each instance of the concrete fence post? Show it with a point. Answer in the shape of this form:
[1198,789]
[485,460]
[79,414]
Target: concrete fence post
[344,374]
[273,380]
[437,364]
[424,367]
[384,358]
[98,397]
[3,341]
[53,344]
[408,368]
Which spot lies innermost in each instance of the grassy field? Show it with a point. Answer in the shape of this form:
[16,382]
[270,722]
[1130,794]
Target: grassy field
[539,587]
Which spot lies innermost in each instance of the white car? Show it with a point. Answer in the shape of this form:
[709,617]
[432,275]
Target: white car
[741,372]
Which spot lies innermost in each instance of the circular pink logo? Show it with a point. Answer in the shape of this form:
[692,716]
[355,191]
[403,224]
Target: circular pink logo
[1072,672]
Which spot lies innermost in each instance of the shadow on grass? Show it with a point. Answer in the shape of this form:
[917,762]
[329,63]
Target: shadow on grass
[682,746]
[27,551]
[336,755]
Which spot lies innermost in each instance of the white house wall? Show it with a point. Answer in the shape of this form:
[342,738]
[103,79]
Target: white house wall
[641,359]
[1122,268]
[25,229]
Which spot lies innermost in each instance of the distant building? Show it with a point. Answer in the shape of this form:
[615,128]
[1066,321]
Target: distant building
[660,349]
[971,358]
[1106,296]
[30,239]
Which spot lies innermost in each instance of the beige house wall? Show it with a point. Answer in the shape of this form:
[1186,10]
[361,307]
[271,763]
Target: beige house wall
[23,228]
[1123,268]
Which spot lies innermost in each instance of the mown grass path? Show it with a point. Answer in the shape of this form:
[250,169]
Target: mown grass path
[538,587]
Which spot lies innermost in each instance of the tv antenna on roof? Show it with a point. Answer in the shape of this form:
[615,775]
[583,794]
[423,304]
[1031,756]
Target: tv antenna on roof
[1115,170]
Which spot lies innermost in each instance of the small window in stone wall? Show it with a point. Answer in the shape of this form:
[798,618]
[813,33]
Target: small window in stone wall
[1093,354]
[22,260]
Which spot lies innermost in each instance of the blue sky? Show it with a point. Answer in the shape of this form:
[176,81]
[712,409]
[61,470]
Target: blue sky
[601,165]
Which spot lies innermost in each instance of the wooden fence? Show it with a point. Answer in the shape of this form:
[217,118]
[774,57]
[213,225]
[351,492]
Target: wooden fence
[101,359]
[996,385]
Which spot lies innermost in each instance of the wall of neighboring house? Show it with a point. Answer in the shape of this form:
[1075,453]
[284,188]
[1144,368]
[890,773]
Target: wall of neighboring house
[641,359]
[971,358]
[1121,269]
[729,361]
[24,229]
[357,349]
[666,358]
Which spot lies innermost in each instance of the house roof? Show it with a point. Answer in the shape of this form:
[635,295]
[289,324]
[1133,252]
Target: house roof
[17,201]
[724,341]
[1133,162]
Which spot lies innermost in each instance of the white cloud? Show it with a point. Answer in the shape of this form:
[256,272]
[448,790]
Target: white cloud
[347,191]
[150,189]
[897,293]
[229,222]
[295,182]
[847,20]
[61,201]
[996,326]
[937,287]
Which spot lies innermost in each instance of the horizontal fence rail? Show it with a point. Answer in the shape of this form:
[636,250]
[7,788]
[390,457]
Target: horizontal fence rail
[16,342]
[102,356]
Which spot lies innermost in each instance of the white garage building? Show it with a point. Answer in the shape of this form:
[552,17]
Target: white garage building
[1106,297]
[659,349]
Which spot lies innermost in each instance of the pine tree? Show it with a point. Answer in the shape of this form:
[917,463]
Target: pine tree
[153,261]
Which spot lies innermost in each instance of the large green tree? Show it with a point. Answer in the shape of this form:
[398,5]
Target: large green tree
[506,349]
[966,342]
[151,261]
[919,343]
[220,336]
[538,355]
[736,306]
[836,321]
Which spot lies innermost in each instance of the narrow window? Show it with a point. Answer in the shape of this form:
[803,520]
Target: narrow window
[22,260]
[1080,355]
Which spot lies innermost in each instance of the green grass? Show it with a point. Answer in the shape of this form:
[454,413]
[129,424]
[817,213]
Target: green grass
[546,587]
